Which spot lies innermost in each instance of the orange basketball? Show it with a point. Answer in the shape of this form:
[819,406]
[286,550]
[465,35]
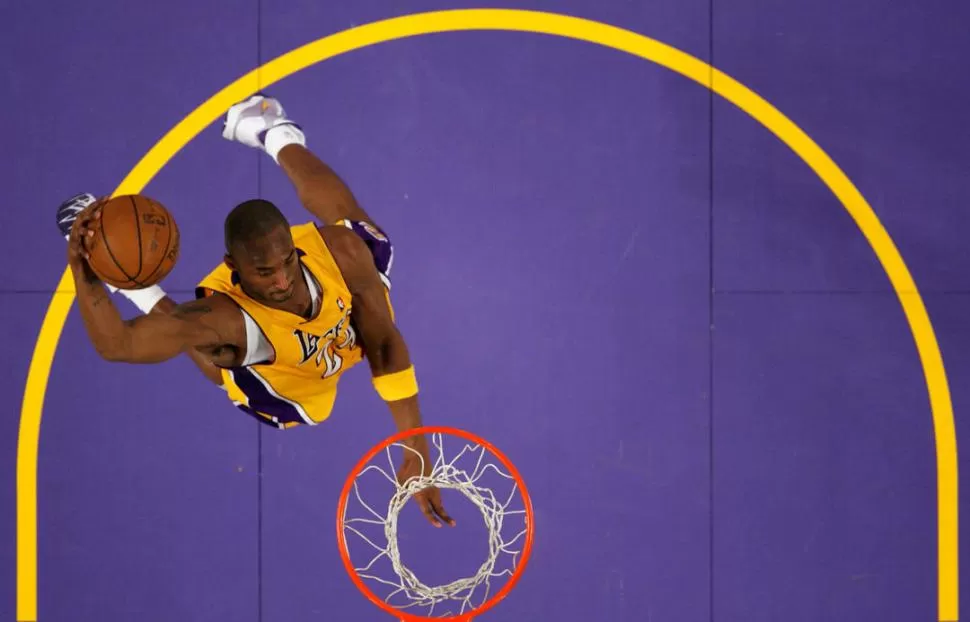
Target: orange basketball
[135,242]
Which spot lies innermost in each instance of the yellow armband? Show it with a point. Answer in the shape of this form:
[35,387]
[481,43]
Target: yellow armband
[397,386]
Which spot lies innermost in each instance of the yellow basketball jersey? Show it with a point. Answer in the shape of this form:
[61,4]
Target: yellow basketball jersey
[300,385]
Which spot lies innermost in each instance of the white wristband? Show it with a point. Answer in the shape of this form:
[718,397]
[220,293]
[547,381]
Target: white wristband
[281,136]
[145,299]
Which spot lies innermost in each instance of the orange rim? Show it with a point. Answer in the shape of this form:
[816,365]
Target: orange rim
[526,500]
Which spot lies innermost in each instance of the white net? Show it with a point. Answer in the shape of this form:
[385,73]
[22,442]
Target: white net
[483,482]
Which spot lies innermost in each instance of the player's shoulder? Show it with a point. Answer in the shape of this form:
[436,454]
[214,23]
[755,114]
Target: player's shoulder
[350,253]
[335,238]
[342,242]
[212,305]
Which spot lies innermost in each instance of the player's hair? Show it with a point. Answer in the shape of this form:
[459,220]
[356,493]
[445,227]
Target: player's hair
[251,220]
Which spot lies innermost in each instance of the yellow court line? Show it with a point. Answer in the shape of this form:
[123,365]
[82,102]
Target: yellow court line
[541,23]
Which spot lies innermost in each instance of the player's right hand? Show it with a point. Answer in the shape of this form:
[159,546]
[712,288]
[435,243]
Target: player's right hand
[428,498]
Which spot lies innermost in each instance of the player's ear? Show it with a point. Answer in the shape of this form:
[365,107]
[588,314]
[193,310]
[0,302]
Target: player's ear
[229,262]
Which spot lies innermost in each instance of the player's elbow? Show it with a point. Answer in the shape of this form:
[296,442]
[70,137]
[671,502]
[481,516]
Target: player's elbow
[115,349]
[111,355]
[113,352]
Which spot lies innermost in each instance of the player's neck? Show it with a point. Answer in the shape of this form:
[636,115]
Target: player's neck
[300,303]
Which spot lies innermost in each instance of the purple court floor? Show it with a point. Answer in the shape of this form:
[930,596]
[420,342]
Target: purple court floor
[640,294]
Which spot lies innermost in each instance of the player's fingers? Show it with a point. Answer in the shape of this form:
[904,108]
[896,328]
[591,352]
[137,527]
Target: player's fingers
[426,509]
[92,216]
[442,514]
[439,508]
[86,221]
[77,248]
[79,235]
[73,243]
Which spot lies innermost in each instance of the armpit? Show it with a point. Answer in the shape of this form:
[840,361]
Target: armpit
[224,356]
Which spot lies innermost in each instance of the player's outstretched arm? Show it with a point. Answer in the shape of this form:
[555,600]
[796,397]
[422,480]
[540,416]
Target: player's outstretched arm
[149,338]
[388,357]
[322,192]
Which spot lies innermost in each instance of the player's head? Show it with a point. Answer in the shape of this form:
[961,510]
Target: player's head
[259,248]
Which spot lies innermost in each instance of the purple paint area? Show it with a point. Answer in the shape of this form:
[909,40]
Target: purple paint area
[149,499]
[821,457]
[777,227]
[873,85]
[551,208]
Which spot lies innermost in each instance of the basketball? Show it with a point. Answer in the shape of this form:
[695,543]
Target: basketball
[135,242]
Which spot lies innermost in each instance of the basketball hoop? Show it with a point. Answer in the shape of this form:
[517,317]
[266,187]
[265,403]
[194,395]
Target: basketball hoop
[467,471]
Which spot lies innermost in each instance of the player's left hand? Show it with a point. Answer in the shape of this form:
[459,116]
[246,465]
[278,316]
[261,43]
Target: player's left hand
[81,232]
[428,499]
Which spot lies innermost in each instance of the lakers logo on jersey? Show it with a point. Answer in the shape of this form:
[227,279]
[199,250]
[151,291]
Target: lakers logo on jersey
[325,349]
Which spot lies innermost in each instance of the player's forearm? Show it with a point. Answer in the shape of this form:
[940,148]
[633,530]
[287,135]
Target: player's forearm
[319,188]
[407,416]
[406,413]
[102,321]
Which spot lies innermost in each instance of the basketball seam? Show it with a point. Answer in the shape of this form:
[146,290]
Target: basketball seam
[168,243]
[107,247]
[134,206]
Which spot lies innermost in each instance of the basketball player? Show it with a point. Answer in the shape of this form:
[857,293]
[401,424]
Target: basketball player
[288,311]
